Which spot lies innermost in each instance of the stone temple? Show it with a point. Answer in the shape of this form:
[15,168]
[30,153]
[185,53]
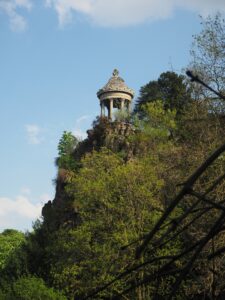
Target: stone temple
[115,95]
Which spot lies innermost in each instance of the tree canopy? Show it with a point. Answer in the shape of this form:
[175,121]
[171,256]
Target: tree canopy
[171,88]
[208,52]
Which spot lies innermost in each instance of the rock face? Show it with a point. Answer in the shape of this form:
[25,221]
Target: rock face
[116,136]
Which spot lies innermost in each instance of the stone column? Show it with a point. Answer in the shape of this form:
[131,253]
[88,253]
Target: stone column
[129,107]
[102,109]
[122,105]
[110,109]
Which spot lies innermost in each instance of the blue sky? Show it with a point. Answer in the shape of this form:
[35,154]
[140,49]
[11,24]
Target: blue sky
[54,56]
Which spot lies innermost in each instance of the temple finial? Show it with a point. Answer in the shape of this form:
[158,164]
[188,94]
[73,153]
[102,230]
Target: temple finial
[115,73]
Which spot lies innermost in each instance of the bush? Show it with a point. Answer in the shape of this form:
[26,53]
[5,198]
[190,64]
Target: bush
[31,288]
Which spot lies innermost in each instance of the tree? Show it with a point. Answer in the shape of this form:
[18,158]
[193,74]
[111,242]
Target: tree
[66,146]
[13,258]
[31,288]
[117,202]
[208,56]
[10,240]
[170,88]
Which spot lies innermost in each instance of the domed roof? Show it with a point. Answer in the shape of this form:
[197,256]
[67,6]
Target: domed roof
[115,84]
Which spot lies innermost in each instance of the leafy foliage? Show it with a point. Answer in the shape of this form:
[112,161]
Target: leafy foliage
[170,88]
[122,116]
[31,288]
[208,59]
[116,203]
[10,240]
[66,146]
[13,256]
[208,51]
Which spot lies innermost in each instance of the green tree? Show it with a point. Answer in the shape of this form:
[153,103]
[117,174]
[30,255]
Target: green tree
[208,60]
[10,240]
[170,88]
[13,258]
[66,146]
[117,203]
[31,288]
[155,130]
[13,255]
[200,134]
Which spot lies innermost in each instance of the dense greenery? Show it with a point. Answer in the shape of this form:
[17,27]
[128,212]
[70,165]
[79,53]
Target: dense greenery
[170,88]
[111,189]
[107,203]
[9,241]
[27,288]
[66,146]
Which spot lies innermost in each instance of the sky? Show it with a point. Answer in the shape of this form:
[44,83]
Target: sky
[54,56]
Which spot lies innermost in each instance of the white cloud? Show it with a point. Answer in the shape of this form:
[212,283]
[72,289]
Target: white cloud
[129,12]
[19,212]
[204,7]
[82,119]
[21,206]
[64,8]
[78,131]
[16,20]
[80,134]
[33,134]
